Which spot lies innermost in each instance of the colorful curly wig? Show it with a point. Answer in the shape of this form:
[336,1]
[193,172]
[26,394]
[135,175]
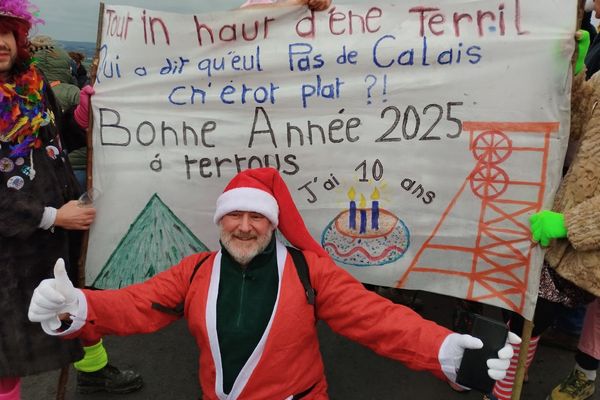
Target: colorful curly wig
[21,9]
[18,16]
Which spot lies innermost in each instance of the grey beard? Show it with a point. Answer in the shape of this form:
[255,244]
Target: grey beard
[241,255]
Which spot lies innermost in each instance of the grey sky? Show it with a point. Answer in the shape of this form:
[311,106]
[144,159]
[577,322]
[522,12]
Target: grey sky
[77,19]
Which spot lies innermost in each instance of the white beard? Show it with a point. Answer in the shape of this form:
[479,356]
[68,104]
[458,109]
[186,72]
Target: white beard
[244,252]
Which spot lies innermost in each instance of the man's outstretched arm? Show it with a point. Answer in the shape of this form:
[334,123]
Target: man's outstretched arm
[92,314]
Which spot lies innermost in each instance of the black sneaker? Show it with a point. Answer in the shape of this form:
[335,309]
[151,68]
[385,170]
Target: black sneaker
[109,379]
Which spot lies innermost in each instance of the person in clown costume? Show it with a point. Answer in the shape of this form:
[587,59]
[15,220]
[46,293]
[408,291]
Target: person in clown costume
[248,310]
[39,214]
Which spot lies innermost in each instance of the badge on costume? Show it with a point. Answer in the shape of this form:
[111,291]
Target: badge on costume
[19,161]
[51,116]
[15,182]
[45,119]
[6,165]
[30,172]
[52,152]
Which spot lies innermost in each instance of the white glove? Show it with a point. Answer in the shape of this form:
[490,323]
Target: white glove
[453,347]
[497,367]
[53,297]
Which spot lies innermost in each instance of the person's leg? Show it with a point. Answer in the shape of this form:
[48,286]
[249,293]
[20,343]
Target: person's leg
[570,320]
[589,341]
[10,388]
[95,374]
[580,383]
[94,359]
[565,332]
[81,176]
[587,365]
[545,312]
[462,317]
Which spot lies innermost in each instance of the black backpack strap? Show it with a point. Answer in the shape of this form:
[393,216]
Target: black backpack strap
[178,309]
[302,270]
[304,393]
[198,264]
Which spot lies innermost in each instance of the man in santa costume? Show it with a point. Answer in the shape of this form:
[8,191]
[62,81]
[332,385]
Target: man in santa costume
[247,308]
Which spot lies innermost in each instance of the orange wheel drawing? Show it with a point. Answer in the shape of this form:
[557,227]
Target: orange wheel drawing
[492,147]
[488,181]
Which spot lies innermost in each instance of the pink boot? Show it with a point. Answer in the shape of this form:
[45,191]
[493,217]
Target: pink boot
[10,389]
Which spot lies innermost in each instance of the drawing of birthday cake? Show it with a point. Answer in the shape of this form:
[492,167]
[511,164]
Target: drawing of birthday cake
[365,236]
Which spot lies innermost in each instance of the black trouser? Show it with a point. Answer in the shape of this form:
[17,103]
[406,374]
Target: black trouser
[545,315]
[586,361]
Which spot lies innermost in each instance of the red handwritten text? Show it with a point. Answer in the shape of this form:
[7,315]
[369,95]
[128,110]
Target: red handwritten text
[342,23]
[233,32]
[434,21]
[117,25]
[149,25]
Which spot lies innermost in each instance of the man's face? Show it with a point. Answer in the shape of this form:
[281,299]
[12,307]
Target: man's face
[245,234]
[8,54]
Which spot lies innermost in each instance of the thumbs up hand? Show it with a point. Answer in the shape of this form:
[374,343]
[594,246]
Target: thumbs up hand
[52,298]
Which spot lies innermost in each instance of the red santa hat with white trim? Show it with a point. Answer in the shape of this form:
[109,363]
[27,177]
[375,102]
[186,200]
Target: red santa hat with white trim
[264,191]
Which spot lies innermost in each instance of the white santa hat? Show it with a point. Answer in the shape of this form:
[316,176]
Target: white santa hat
[262,190]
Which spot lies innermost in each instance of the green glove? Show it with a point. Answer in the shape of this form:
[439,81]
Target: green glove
[547,225]
[583,44]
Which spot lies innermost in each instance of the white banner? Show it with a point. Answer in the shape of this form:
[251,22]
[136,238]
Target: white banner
[416,139]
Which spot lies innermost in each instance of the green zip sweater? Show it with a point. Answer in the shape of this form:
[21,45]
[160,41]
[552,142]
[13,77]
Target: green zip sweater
[244,306]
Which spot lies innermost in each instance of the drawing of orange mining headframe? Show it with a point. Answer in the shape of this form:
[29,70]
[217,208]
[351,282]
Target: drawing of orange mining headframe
[505,194]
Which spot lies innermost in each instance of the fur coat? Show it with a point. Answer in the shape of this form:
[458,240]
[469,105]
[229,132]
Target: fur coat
[577,257]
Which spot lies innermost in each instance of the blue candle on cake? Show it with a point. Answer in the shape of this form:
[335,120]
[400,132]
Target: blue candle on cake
[352,211]
[363,214]
[375,210]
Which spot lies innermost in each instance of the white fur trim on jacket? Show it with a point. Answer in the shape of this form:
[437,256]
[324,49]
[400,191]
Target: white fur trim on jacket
[247,199]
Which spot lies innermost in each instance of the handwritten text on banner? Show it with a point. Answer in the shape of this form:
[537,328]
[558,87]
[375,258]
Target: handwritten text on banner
[416,138]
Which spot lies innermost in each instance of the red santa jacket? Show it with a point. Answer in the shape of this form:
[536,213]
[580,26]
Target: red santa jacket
[287,359]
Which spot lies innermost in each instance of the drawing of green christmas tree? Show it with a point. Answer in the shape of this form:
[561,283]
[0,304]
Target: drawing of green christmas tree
[156,240]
